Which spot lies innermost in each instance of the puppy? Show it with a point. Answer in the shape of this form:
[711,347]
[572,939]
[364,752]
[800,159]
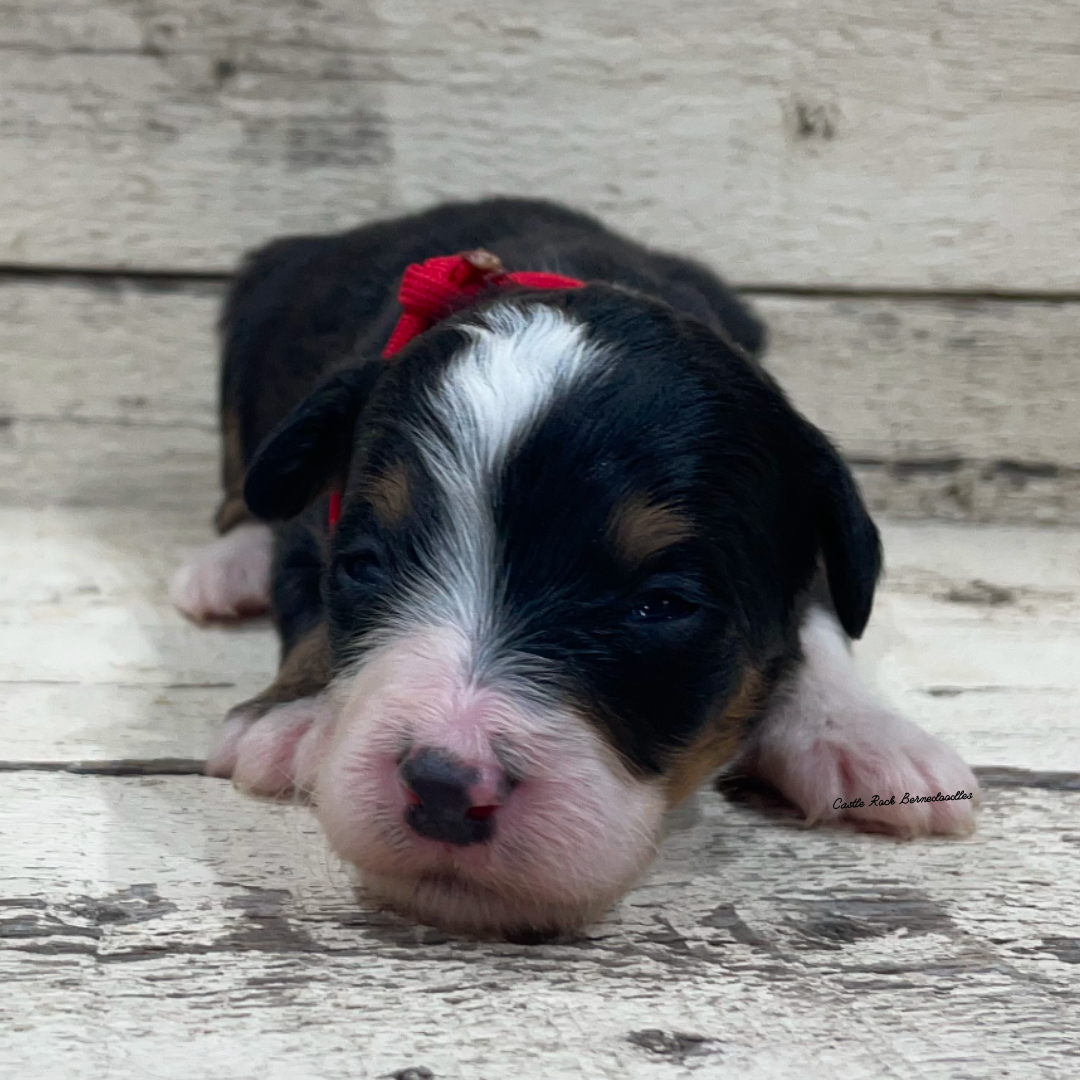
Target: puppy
[544,552]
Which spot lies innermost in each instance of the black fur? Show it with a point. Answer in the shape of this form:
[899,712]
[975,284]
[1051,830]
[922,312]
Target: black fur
[305,306]
[688,417]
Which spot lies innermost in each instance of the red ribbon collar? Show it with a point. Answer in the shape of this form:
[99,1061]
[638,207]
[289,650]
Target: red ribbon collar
[436,288]
[432,290]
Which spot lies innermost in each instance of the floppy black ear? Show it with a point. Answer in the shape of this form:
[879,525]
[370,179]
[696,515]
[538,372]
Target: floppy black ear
[308,452]
[849,539]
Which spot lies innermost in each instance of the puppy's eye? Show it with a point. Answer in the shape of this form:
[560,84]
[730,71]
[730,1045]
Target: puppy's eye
[363,567]
[660,606]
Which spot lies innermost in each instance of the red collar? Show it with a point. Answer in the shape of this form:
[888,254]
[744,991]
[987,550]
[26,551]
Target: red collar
[436,288]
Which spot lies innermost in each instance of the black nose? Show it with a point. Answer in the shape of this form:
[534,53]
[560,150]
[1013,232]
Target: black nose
[440,805]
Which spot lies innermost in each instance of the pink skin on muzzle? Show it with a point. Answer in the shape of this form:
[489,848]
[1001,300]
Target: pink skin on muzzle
[570,832]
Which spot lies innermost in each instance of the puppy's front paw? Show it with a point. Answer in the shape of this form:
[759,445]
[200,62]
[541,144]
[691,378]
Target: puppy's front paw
[874,775]
[272,752]
[830,746]
[228,579]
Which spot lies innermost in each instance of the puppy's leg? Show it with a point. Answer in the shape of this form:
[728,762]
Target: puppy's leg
[230,578]
[272,744]
[826,740]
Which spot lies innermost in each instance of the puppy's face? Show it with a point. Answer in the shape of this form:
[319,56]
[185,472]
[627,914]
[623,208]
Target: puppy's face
[575,532]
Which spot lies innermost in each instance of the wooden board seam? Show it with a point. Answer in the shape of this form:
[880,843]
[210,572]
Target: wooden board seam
[993,776]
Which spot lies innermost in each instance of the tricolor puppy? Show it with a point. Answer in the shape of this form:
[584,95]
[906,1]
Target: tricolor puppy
[547,548]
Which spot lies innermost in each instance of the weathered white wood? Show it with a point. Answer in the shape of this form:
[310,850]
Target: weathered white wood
[976,635]
[183,930]
[891,379]
[95,665]
[136,134]
[966,410]
[150,468]
[86,350]
[972,490]
[819,143]
[933,380]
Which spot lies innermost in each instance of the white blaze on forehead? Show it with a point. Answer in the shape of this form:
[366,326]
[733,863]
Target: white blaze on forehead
[516,364]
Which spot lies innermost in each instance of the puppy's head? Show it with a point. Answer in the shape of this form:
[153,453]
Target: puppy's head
[576,529]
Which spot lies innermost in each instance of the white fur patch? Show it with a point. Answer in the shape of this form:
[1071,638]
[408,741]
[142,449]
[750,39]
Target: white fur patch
[492,392]
[827,740]
[227,579]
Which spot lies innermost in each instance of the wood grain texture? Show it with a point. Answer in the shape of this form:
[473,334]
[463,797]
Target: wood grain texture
[85,464]
[976,634]
[114,351]
[918,146]
[975,637]
[134,134]
[188,928]
[968,410]
[933,380]
[94,663]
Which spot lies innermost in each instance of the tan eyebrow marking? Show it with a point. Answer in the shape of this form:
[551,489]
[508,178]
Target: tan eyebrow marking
[641,527]
[388,494]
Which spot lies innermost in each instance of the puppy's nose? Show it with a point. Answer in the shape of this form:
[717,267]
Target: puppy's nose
[448,799]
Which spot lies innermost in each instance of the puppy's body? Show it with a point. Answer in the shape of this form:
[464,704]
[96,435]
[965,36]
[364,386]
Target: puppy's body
[581,534]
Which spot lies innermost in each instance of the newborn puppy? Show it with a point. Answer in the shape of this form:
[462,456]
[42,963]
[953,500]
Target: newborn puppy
[555,558]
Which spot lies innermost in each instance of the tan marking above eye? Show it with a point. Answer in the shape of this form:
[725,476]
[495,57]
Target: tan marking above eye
[641,527]
[388,494]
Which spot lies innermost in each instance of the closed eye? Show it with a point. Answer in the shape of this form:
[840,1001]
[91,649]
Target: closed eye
[362,566]
[661,606]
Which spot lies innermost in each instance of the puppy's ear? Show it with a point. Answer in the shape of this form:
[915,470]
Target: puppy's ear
[849,539]
[308,452]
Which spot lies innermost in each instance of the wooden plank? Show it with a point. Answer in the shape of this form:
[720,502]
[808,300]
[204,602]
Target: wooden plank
[892,379]
[976,635]
[971,490]
[959,409]
[956,409]
[933,380]
[95,665]
[838,143]
[101,350]
[190,929]
[166,125]
[78,464]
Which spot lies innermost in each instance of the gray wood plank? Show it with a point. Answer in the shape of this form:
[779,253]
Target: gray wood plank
[99,350]
[933,380]
[184,928]
[94,663]
[956,409]
[45,462]
[917,145]
[975,636]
